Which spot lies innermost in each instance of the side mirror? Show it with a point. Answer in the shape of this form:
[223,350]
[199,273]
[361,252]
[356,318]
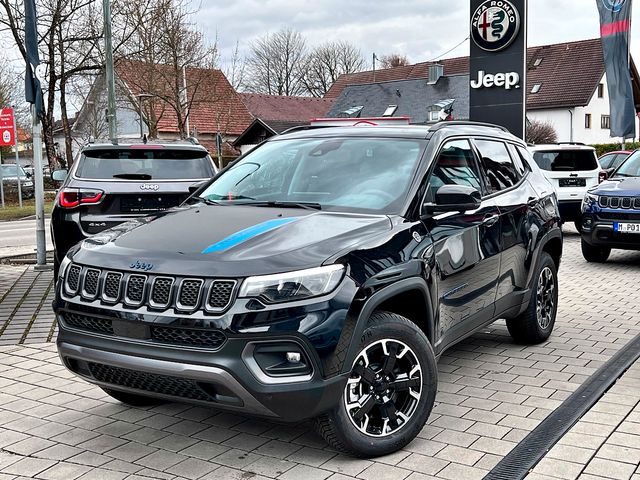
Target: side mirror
[454,198]
[59,175]
[195,187]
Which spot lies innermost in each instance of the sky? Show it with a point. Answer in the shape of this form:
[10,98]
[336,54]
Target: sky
[421,29]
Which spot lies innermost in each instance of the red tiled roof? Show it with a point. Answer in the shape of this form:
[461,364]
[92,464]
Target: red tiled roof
[569,73]
[216,106]
[286,108]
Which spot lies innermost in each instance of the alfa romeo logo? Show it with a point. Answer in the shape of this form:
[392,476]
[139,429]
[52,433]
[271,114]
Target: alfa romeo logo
[614,5]
[495,25]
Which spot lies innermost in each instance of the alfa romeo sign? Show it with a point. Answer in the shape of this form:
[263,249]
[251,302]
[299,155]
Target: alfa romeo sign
[497,83]
[6,128]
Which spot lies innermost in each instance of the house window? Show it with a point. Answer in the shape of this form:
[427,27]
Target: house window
[391,109]
[536,88]
[601,90]
[605,122]
[434,116]
[587,120]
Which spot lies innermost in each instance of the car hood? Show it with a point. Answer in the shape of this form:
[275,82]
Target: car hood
[620,187]
[229,240]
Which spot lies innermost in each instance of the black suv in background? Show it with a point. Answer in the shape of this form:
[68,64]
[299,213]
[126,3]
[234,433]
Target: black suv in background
[111,184]
[320,276]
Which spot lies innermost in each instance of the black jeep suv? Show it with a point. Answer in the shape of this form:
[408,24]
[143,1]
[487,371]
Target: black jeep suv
[111,184]
[320,276]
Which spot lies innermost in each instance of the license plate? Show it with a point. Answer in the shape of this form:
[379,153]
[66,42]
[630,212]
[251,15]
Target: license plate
[573,182]
[627,227]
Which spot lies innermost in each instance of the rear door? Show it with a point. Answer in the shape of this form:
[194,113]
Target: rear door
[137,181]
[571,170]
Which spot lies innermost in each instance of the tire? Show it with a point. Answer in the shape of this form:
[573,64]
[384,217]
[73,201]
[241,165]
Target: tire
[385,332]
[529,328]
[132,399]
[594,254]
[578,225]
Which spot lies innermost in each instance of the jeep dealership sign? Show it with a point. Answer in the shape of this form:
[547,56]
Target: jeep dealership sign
[497,83]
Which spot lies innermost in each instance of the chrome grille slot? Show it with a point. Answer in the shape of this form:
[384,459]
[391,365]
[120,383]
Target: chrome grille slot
[90,284]
[134,293]
[626,202]
[188,336]
[73,279]
[220,294]
[604,202]
[189,295]
[161,292]
[614,202]
[111,287]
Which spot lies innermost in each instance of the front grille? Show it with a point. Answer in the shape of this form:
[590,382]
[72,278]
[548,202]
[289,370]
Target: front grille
[85,322]
[135,288]
[150,382]
[111,291]
[188,336]
[156,292]
[189,294]
[161,292]
[91,278]
[73,278]
[620,202]
[220,294]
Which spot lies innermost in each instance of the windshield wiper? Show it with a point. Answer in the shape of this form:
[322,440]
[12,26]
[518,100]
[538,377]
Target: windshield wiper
[280,204]
[207,201]
[133,176]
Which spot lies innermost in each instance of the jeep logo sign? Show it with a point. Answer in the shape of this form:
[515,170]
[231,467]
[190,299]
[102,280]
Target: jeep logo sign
[149,187]
[497,75]
[504,80]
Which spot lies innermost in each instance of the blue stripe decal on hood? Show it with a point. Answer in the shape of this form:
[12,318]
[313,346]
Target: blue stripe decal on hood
[247,233]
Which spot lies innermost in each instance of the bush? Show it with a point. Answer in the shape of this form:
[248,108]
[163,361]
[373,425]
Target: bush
[603,148]
[540,133]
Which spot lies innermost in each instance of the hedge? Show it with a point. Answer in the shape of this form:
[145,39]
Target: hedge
[603,148]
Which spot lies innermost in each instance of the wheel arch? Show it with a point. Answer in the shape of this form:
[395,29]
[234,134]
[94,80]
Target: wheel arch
[396,298]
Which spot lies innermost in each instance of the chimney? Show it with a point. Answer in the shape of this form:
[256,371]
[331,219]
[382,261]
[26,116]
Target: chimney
[436,70]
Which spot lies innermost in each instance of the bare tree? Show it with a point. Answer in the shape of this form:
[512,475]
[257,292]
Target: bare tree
[327,62]
[167,56]
[235,68]
[394,60]
[539,132]
[277,63]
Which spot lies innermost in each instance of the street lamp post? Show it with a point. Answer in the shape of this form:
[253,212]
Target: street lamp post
[140,97]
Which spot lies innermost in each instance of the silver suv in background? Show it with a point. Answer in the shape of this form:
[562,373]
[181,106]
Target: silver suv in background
[572,169]
[10,174]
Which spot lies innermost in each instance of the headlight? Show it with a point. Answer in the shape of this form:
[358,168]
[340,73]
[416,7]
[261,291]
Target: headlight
[589,200]
[292,286]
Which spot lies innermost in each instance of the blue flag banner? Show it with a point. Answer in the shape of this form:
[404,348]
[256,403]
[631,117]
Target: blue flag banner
[32,87]
[615,27]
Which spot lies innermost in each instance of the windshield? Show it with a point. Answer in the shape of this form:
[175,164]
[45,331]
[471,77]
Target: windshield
[12,171]
[566,160]
[631,166]
[346,174]
[145,164]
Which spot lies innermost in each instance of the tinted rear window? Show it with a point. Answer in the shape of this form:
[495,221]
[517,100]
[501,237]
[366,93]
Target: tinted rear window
[152,164]
[566,160]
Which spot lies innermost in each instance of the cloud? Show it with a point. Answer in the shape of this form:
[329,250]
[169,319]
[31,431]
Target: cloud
[420,29]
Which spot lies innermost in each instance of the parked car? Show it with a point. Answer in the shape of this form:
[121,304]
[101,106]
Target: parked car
[612,160]
[10,174]
[111,184]
[611,213]
[320,276]
[572,169]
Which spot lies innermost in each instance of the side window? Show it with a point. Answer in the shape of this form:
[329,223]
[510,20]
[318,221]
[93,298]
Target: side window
[455,165]
[498,165]
[525,157]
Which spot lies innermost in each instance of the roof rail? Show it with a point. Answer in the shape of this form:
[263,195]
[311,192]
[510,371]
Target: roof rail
[445,124]
[301,127]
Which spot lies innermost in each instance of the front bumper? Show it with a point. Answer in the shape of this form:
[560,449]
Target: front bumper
[600,232]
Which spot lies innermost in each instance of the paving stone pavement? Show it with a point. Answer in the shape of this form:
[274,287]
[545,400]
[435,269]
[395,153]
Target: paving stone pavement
[492,392]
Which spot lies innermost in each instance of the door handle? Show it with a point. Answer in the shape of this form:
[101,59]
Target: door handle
[490,220]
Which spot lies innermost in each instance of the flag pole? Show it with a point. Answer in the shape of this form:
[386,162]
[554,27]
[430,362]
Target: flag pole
[110,74]
[41,246]
[15,140]
[1,182]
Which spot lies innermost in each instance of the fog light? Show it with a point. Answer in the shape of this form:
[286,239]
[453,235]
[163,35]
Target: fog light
[294,357]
